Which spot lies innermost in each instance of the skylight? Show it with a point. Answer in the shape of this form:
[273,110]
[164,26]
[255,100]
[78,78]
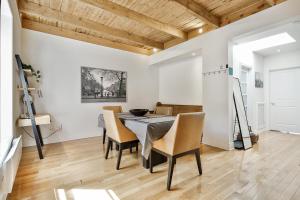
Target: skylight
[267,42]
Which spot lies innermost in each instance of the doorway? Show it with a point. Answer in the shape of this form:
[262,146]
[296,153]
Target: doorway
[285,100]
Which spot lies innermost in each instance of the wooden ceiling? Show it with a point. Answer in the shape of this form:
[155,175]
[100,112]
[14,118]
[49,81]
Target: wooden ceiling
[140,26]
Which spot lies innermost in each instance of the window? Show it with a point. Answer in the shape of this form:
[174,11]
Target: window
[6,79]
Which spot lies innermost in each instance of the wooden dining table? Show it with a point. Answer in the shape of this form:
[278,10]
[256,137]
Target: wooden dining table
[147,128]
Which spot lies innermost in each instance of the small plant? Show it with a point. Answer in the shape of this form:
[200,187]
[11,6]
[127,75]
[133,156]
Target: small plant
[37,73]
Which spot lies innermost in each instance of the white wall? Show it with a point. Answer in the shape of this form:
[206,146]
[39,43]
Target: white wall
[17,45]
[282,60]
[10,107]
[217,94]
[10,37]
[256,94]
[59,60]
[180,81]
[254,63]
[275,62]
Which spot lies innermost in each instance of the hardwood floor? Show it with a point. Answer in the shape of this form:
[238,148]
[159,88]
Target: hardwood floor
[78,170]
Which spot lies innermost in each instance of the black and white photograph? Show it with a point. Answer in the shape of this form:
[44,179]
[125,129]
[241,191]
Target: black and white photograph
[103,85]
[259,83]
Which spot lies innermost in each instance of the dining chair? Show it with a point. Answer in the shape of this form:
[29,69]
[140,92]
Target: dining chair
[163,110]
[118,133]
[182,139]
[116,109]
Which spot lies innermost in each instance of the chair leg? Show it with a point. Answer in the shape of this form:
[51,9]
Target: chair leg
[119,157]
[172,161]
[137,147]
[150,162]
[197,154]
[109,144]
[130,148]
[104,135]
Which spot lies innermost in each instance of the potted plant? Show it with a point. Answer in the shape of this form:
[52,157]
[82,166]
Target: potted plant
[36,74]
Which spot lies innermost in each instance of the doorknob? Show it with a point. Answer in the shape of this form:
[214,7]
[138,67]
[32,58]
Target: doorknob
[272,103]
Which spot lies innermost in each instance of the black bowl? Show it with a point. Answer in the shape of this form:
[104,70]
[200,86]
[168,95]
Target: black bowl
[138,112]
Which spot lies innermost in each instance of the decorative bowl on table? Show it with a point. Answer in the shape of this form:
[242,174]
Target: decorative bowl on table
[138,112]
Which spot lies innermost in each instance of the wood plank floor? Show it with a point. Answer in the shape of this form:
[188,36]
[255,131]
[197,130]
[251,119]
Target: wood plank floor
[78,170]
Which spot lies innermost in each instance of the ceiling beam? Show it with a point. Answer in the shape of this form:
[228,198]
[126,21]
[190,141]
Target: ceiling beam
[244,12]
[138,17]
[271,2]
[199,31]
[200,12]
[36,9]
[191,34]
[28,24]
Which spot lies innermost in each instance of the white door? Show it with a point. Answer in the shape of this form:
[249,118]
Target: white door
[285,100]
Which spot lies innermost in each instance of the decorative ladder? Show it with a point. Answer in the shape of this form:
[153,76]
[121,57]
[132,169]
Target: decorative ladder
[30,107]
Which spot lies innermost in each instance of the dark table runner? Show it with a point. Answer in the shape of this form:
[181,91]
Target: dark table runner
[147,128]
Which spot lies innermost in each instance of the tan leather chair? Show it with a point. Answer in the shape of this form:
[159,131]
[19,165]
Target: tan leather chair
[118,133]
[163,110]
[116,109]
[183,138]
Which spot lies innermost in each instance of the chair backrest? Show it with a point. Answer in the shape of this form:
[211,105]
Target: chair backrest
[181,108]
[185,134]
[115,128]
[163,110]
[111,126]
[116,109]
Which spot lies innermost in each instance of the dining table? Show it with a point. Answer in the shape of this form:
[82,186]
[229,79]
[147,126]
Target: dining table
[147,128]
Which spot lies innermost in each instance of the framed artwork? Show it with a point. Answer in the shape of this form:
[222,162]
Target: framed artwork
[259,83]
[103,85]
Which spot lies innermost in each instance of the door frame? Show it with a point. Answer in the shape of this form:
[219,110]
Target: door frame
[248,70]
[267,94]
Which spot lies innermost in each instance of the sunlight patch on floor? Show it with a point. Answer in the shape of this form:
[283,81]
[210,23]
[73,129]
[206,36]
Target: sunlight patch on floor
[83,194]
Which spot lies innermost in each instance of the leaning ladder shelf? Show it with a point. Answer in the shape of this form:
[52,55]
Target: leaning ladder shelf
[34,119]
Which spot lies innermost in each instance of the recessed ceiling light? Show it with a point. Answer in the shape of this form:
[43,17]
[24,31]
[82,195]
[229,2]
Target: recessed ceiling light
[278,50]
[267,42]
[200,30]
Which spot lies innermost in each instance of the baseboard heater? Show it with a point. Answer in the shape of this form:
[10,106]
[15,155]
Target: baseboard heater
[10,166]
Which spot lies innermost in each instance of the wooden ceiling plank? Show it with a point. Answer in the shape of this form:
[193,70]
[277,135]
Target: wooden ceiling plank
[244,12]
[200,12]
[271,2]
[36,26]
[133,15]
[35,9]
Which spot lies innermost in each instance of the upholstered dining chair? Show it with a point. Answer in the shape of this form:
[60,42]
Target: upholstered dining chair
[116,109]
[163,110]
[118,133]
[182,139]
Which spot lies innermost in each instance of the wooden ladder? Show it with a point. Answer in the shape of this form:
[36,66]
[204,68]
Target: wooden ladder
[30,107]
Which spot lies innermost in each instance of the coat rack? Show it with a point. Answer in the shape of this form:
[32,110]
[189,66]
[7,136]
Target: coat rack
[221,70]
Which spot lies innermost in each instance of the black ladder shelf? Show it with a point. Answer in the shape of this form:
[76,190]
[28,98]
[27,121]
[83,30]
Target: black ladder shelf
[30,107]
